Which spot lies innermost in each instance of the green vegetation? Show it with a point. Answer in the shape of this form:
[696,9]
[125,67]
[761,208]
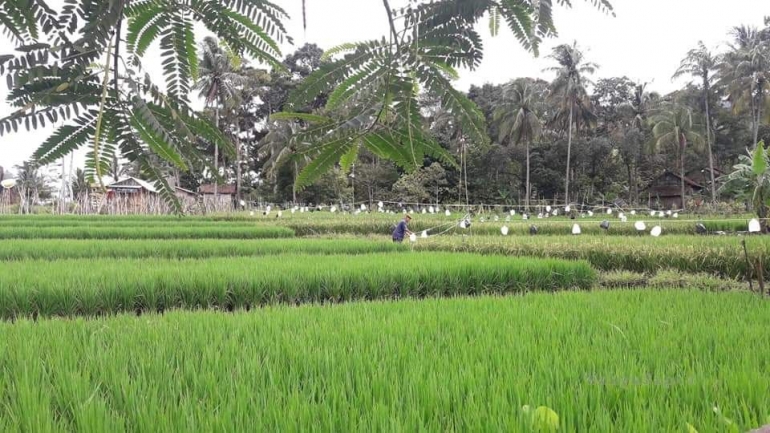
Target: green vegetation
[719,255]
[546,227]
[104,286]
[146,232]
[669,279]
[320,223]
[53,249]
[714,255]
[632,361]
[490,332]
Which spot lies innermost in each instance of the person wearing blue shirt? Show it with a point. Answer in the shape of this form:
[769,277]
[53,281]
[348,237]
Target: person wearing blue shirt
[402,229]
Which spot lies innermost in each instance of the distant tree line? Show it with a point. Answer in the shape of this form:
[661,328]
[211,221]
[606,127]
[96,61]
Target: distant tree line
[575,139]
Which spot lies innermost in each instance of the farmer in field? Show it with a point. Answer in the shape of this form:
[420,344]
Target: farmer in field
[402,229]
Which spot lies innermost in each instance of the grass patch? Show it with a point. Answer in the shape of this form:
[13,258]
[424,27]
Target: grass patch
[630,361]
[56,249]
[716,255]
[146,232]
[668,280]
[106,286]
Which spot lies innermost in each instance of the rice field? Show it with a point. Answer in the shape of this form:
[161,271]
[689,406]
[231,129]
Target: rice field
[717,255]
[545,227]
[146,232]
[320,223]
[650,361]
[315,321]
[58,249]
[100,286]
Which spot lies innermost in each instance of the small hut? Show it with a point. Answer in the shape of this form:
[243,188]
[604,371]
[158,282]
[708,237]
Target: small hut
[188,199]
[225,196]
[130,187]
[132,195]
[665,191]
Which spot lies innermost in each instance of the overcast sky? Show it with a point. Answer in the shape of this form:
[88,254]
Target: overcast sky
[645,41]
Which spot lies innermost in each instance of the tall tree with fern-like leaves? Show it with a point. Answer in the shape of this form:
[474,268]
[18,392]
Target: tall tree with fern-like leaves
[372,86]
[80,63]
[219,83]
[569,91]
[519,118]
[700,63]
[674,128]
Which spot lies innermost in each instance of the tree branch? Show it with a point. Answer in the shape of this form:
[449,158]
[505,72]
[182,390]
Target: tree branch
[116,58]
[391,23]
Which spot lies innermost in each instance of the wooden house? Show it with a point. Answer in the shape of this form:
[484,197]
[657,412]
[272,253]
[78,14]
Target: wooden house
[188,199]
[665,191]
[225,196]
[130,187]
[130,195]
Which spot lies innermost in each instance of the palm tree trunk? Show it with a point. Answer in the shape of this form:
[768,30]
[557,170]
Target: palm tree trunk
[238,168]
[760,97]
[683,146]
[526,199]
[294,185]
[569,153]
[216,160]
[465,173]
[756,109]
[353,183]
[708,141]
[63,185]
[630,183]
[460,183]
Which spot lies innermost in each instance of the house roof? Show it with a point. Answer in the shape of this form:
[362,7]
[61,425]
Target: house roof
[717,172]
[179,188]
[140,184]
[221,189]
[687,181]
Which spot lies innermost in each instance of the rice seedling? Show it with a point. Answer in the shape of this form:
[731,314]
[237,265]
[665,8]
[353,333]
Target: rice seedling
[104,286]
[316,223]
[719,255]
[628,361]
[56,249]
[146,232]
[179,222]
[668,280]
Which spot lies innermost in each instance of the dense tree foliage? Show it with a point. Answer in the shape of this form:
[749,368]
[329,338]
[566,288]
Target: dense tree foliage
[628,137]
[376,120]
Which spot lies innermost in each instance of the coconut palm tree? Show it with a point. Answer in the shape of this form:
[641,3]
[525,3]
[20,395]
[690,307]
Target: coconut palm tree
[277,148]
[219,82]
[518,118]
[745,72]
[674,128]
[30,184]
[700,63]
[80,186]
[569,90]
